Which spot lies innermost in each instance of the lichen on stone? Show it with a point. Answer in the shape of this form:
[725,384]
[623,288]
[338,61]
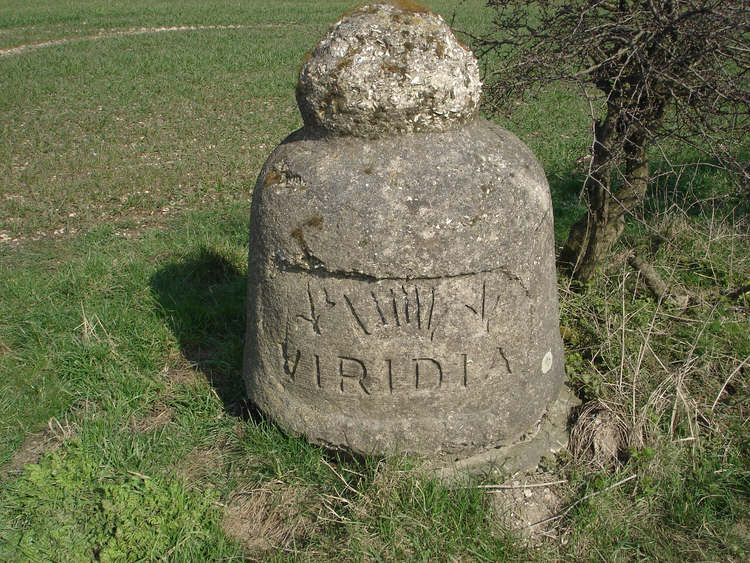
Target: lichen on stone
[389,68]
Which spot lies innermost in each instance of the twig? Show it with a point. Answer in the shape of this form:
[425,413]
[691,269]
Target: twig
[621,375]
[352,472]
[215,394]
[580,500]
[736,370]
[344,481]
[528,486]
[178,544]
[681,319]
[656,284]
[336,498]
[341,519]
[641,353]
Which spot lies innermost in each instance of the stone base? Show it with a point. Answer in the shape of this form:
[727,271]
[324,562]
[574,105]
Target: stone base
[549,437]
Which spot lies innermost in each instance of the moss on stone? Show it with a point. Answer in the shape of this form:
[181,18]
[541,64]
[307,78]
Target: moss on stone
[410,6]
[299,237]
[273,177]
[315,221]
[343,63]
[407,6]
[392,68]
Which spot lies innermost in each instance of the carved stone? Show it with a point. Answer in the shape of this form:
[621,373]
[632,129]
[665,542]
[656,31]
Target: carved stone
[401,284]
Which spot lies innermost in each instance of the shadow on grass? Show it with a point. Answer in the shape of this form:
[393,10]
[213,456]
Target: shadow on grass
[202,296]
[565,188]
[701,189]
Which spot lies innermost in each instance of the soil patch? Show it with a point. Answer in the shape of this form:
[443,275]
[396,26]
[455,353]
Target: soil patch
[36,444]
[526,503]
[271,517]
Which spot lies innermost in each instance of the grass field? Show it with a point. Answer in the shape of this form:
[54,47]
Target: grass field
[132,134]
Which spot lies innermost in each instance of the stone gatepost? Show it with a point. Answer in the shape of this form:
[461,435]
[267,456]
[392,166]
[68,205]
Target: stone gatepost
[401,285]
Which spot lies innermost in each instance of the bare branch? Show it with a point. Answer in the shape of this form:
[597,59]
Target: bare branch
[673,70]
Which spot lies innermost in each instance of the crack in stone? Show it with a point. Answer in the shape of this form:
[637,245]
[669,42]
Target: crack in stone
[317,269]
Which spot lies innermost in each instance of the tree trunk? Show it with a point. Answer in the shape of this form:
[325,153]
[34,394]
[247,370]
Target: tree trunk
[577,255]
[591,238]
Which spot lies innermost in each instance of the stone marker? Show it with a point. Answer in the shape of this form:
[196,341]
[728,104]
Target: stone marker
[401,285]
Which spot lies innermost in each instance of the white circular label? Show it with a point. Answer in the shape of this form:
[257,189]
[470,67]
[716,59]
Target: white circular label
[547,362]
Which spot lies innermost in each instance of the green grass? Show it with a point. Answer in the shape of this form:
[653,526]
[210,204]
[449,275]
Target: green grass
[126,169]
[70,504]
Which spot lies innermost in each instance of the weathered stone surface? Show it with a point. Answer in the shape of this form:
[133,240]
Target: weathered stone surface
[402,290]
[388,68]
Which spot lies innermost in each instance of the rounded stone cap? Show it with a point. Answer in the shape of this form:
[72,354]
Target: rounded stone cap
[389,68]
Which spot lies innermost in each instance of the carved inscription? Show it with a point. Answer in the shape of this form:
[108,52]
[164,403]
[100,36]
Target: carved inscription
[431,373]
[409,308]
[290,368]
[465,380]
[358,375]
[505,358]
[390,313]
[316,305]
[313,317]
[355,315]
[406,307]
[484,307]
[352,369]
